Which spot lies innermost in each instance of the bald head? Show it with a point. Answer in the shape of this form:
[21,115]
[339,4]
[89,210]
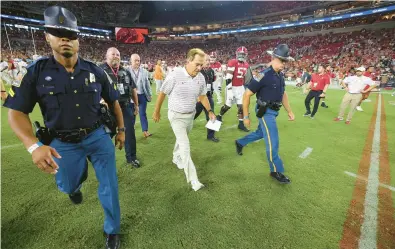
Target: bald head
[113,57]
[135,61]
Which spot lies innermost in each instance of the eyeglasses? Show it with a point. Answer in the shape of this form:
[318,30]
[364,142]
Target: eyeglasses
[61,33]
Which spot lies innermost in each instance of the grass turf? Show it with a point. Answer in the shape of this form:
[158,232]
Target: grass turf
[241,206]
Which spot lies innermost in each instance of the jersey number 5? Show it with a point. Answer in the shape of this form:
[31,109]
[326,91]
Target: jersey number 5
[241,71]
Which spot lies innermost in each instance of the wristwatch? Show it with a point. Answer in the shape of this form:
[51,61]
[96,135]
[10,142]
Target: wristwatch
[121,129]
[246,117]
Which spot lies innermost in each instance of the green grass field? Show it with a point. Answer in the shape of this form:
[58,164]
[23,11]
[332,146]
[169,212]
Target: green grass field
[241,206]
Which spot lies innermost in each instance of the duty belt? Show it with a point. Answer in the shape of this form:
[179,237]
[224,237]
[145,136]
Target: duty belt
[75,135]
[274,105]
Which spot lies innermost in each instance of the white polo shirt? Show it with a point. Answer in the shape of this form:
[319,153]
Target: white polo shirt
[183,90]
[357,83]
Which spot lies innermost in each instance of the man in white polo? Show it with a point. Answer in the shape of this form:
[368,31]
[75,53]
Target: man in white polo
[185,86]
[354,86]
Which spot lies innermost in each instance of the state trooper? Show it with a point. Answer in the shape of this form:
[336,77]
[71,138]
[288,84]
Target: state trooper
[68,90]
[271,95]
[128,100]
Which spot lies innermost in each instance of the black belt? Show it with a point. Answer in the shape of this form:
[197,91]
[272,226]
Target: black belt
[75,135]
[274,105]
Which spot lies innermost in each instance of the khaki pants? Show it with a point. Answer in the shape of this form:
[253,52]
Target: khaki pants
[182,124]
[351,99]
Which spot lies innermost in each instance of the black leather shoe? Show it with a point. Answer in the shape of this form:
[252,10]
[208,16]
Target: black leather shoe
[239,148]
[280,177]
[113,241]
[324,105]
[243,128]
[214,139]
[76,197]
[219,118]
[135,163]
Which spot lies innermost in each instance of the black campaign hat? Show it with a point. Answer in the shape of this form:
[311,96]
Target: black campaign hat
[281,52]
[57,17]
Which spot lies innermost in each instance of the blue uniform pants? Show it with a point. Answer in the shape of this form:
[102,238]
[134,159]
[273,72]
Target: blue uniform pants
[143,112]
[99,149]
[129,120]
[267,129]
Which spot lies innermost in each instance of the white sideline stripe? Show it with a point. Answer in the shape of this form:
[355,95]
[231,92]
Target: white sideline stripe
[10,146]
[368,239]
[365,179]
[306,152]
[229,127]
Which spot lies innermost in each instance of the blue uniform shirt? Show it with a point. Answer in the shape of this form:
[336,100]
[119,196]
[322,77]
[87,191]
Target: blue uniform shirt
[270,87]
[67,100]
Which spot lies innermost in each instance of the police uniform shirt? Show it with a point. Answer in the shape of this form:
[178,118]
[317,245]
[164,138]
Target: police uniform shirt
[270,87]
[67,100]
[209,76]
[123,80]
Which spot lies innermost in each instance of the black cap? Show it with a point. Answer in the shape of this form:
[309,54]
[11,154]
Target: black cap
[281,52]
[57,17]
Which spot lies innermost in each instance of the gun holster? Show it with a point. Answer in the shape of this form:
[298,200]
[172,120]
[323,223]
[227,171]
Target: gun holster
[43,134]
[108,120]
[261,108]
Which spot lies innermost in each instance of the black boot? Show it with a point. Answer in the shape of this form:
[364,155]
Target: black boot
[239,148]
[113,241]
[242,126]
[280,177]
[76,197]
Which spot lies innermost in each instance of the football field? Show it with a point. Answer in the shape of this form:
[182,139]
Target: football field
[342,193]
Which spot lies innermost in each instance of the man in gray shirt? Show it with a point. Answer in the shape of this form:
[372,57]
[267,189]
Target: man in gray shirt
[185,86]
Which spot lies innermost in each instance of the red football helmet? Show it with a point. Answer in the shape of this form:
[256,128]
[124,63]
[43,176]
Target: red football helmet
[241,54]
[213,57]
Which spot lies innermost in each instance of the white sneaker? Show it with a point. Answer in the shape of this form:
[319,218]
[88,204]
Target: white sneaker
[359,109]
[196,185]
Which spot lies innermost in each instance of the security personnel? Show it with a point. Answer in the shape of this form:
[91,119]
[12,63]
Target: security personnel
[127,90]
[270,93]
[209,76]
[68,90]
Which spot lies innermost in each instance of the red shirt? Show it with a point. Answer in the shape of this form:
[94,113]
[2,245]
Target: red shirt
[319,81]
[239,69]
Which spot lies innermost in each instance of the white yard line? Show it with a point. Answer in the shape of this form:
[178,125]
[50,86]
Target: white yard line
[365,179]
[10,146]
[229,127]
[306,152]
[368,239]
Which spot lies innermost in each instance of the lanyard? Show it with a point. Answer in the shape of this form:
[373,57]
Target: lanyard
[115,72]
[136,76]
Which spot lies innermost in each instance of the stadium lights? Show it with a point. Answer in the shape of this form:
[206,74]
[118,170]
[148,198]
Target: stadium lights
[305,22]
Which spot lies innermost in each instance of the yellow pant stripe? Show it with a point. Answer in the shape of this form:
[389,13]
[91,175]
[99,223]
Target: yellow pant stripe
[270,145]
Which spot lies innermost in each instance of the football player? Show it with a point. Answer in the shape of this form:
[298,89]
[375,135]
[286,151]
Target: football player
[236,71]
[217,67]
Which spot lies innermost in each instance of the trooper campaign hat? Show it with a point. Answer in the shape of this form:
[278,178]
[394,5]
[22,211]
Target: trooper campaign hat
[281,52]
[56,17]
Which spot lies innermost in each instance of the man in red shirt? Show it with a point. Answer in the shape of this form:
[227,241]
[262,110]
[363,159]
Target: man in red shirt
[369,73]
[319,84]
[331,75]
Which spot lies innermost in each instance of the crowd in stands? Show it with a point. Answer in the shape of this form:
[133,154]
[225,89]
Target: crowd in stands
[87,12]
[342,51]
